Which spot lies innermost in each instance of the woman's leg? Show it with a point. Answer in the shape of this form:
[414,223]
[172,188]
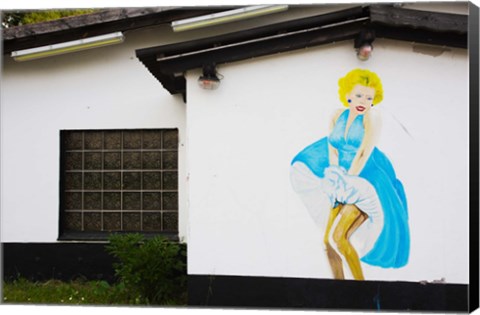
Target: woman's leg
[350,219]
[361,218]
[333,258]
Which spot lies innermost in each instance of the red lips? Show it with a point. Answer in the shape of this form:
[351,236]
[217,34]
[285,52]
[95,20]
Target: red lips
[360,108]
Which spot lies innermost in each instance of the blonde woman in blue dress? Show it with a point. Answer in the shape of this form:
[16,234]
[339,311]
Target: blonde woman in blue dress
[367,208]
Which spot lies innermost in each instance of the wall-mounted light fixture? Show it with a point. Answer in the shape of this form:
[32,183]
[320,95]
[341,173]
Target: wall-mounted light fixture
[363,44]
[209,80]
[68,47]
[226,16]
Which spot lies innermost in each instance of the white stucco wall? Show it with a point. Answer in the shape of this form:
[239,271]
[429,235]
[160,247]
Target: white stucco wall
[245,218]
[106,88]
[235,153]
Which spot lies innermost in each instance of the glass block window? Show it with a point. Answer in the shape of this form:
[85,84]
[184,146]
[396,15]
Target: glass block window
[119,181]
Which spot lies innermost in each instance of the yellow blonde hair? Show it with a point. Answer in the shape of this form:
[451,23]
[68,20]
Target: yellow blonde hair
[363,77]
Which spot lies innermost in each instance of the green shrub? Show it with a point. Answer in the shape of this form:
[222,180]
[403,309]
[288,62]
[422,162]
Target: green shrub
[152,270]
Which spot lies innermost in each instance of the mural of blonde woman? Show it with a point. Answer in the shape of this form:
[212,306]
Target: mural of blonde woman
[366,203]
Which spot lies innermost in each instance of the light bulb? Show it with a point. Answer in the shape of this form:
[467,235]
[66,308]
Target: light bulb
[364,52]
[208,83]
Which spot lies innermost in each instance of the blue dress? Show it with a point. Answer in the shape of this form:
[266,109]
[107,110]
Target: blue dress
[391,249]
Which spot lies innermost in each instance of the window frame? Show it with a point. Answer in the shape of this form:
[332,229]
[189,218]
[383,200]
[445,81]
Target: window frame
[87,235]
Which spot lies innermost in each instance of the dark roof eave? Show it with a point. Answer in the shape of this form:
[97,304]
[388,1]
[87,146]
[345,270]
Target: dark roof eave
[168,63]
[415,19]
[93,24]
[95,18]
[434,28]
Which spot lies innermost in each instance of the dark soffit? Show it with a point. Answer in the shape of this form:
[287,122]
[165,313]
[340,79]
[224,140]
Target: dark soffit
[168,63]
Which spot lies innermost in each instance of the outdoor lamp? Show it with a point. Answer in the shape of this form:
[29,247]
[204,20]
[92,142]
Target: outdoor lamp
[209,79]
[363,44]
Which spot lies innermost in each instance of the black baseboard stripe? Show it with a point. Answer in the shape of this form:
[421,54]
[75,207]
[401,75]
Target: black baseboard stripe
[68,261]
[61,261]
[295,293]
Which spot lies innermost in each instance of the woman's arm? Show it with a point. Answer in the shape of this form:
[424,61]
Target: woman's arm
[372,125]
[332,152]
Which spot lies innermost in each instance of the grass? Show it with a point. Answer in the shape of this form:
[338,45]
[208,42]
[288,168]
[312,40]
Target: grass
[149,272]
[78,292]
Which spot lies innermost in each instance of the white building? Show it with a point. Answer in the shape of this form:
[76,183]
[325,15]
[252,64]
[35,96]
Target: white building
[122,138]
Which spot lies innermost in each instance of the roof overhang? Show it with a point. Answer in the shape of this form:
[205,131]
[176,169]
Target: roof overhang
[95,24]
[168,63]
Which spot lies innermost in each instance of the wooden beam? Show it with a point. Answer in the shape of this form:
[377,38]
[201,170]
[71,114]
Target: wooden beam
[432,28]
[63,24]
[167,61]
[261,47]
[416,19]
[422,36]
[258,32]
[165,70]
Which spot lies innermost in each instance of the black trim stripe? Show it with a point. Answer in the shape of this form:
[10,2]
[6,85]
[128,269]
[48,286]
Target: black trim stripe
[62,261]
[299,293]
